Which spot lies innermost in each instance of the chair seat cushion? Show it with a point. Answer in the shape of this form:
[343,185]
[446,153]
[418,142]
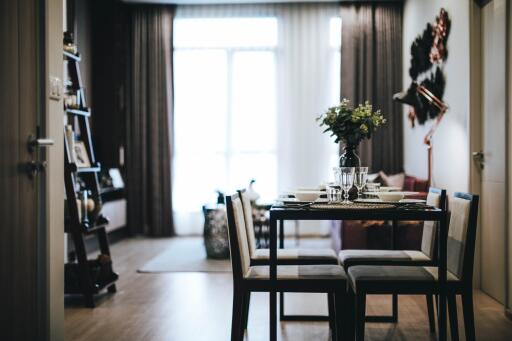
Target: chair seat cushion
[389,278]
[299,272]
[297,254]
[350,258]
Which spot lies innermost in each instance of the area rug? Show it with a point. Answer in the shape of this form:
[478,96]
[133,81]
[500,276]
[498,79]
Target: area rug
[185,255]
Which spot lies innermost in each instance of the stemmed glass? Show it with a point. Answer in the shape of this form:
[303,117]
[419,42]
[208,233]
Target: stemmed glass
[360,175]
[334,189]
[346,181]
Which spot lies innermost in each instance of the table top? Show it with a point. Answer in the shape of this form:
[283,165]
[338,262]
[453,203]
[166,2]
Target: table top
[398,212]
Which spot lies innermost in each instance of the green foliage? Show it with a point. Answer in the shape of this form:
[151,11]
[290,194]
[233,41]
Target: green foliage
[351,125]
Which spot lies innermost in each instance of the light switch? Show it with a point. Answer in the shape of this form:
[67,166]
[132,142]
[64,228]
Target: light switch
[55,88]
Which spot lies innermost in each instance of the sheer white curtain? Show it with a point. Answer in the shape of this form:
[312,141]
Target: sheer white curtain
[246,105]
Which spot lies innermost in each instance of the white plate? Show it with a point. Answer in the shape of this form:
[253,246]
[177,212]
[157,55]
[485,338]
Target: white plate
[310,189]
[405,193]
[389,188]
[295,201]
[403,201]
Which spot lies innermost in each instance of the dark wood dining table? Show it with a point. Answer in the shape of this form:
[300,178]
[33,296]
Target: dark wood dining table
[281,213]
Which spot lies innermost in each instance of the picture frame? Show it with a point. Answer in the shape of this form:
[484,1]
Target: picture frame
[81,155]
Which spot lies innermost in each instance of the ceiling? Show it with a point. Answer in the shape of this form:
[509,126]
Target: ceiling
[206,2]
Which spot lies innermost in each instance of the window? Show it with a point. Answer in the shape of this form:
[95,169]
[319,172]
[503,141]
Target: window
[225,110]
[249,82]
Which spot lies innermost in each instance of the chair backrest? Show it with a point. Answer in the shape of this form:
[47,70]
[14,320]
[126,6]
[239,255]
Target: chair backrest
[249,222]
[462,235]
[240,258]
[436,197]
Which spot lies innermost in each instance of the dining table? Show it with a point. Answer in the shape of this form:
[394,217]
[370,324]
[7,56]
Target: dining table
[280,212]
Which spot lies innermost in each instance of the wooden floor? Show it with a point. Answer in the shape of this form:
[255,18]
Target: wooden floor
[197,306]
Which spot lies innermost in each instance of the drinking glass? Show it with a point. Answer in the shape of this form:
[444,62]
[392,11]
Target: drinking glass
[346,181]
[334,189]
[333,193]
[373,187]
[360,174]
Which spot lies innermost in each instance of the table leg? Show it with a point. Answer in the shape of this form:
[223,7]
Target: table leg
[281,234]
[273,279]
[394,232]
[281,246]
[443,236]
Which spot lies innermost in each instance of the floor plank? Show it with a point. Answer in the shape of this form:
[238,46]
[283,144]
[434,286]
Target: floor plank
[197,306]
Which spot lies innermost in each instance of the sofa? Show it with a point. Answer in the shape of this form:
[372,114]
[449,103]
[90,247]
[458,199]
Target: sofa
[376,235]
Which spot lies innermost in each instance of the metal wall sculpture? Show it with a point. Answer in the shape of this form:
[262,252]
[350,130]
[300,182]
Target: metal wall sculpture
[425,94]
[428,54]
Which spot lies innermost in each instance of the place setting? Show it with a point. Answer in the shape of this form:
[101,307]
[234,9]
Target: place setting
[350,190]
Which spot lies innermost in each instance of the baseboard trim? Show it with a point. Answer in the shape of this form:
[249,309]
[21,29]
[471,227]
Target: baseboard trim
[508,314]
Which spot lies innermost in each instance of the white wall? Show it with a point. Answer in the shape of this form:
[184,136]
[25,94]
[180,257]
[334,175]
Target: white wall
[451,141]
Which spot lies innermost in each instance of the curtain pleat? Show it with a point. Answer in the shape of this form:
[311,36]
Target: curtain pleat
[149,125]
[371,69]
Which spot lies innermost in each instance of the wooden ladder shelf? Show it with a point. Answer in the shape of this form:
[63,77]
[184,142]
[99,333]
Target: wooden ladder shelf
[84,276]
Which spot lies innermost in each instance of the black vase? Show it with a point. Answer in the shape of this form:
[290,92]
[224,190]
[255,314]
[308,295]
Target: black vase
[350,159]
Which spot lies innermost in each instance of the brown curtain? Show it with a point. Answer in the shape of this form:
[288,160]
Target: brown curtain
[149,126]
[371,69]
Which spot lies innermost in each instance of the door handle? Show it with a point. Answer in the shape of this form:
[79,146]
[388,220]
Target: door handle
[36,142]
[479,158]
[35,167]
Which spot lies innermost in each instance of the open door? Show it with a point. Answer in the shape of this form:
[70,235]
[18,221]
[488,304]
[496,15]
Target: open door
[489,153]
[22,229]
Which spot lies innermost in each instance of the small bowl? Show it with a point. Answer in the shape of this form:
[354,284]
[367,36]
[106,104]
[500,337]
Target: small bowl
[390,196]
[307,195]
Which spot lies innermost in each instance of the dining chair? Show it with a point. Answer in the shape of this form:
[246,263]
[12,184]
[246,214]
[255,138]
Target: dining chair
[413,280]
[288,256]
[426,256]
[249,278]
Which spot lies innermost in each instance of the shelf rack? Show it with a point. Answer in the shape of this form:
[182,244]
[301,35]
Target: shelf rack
[84,276]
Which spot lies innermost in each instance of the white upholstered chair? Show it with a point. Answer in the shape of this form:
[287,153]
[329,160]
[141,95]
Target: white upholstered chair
[249,278]
[426,256]
[385,279]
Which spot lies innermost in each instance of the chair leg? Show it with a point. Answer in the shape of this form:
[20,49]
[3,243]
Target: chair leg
[437,302]
[469,317]
[247,301]
[360,315]
[394,307]
[332,312]
[342,321]
[452,312]
[236,319]
[349,322]
[430,310]
[333,316]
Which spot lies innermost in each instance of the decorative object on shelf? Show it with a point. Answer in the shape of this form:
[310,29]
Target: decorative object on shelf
[71,100]
[115,176]
[351,126]
[70,139]
[81,157]
[69,44]
[84,212]
[425,94]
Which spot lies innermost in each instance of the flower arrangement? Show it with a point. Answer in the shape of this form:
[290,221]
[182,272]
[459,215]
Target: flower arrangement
[351,126]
